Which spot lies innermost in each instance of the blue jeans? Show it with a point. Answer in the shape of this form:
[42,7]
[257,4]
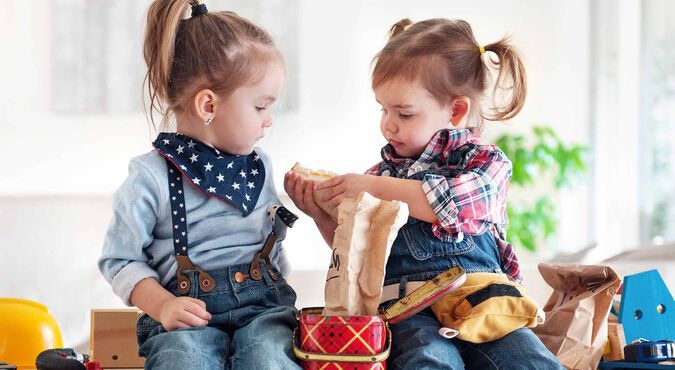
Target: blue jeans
[418,255]
[251,327]
[417,345]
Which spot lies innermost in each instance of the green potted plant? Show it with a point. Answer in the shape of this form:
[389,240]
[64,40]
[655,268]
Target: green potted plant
[545,158]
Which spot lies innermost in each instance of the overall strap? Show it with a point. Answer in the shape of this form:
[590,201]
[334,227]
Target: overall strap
[264,255]
[180,234]
[276,215]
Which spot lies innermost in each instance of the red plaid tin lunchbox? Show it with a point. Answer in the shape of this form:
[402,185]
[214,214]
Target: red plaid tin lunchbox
[362,342]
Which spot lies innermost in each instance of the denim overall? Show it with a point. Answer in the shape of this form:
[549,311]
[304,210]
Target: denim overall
[252,308]
[418,255]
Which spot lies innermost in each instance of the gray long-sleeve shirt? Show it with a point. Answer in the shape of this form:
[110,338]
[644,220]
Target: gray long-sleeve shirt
[139,240]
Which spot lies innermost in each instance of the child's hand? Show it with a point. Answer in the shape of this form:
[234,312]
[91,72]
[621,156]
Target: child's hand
[350,185]
[183,312]
[301,192]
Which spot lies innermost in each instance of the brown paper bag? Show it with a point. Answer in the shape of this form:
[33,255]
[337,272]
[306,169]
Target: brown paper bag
[367,227]
[617,340]
[576,313]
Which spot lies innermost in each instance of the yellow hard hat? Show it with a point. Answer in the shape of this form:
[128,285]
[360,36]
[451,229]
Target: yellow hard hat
[26,329]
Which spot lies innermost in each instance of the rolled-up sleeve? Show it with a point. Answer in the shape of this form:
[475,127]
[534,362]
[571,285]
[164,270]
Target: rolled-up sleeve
[123,261]
[476,192]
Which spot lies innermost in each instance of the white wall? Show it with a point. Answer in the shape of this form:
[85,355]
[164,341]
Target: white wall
[335,128]
[338,122]
[338,118]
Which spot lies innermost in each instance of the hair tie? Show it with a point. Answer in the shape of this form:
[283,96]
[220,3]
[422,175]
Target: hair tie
[405,28]
[199,9]
[482,49]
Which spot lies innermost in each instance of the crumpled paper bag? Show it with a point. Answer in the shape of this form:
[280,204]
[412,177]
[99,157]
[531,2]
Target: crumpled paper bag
[575,330]
[366,230]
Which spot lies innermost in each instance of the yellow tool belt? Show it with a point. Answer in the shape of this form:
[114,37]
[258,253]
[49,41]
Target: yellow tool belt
[487,307]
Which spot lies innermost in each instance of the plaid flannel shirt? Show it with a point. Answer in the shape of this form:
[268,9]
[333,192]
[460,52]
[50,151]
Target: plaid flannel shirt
[466,185]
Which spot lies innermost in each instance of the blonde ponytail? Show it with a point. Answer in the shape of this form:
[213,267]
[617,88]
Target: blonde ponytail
[163,20]
[512,77]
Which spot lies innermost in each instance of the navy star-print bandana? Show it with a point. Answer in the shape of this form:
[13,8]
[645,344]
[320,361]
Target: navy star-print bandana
[237,179]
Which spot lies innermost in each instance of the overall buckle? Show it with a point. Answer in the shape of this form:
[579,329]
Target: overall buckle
[206,282]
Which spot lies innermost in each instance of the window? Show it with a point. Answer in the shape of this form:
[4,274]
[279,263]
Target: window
[657,119]
[97,56]
[633,118]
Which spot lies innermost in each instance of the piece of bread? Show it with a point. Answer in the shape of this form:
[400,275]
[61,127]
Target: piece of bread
[314,175]
[317,176]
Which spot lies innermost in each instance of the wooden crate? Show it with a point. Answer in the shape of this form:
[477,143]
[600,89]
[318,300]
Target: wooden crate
[113,338]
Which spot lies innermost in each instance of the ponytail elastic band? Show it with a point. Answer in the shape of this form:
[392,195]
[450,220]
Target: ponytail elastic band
[482,49]
[199,9]
[405,28]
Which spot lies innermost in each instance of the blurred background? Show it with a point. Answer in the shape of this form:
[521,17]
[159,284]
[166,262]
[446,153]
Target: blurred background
[593,149]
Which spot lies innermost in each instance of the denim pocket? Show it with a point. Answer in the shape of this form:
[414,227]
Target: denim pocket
[485,256]
[285,294]
[423,244]
[146,327]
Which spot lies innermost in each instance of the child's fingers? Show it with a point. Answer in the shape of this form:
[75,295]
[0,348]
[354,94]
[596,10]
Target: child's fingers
[297,192]
[289,188]
[289,183]
[292,189]
[195,319]
[308,193]
[193,314]
[333,181]
[332,196]
[201,303]
[332,192]
[335,201]
[302,190]
[191,320]
[198,310]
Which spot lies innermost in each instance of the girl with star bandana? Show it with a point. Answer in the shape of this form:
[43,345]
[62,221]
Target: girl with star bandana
[195,239]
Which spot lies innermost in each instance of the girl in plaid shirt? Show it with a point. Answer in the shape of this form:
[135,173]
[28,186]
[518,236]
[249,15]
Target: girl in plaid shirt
[430,79]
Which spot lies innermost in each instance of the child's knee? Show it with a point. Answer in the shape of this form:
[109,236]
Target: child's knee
[417,345]
[425,351]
